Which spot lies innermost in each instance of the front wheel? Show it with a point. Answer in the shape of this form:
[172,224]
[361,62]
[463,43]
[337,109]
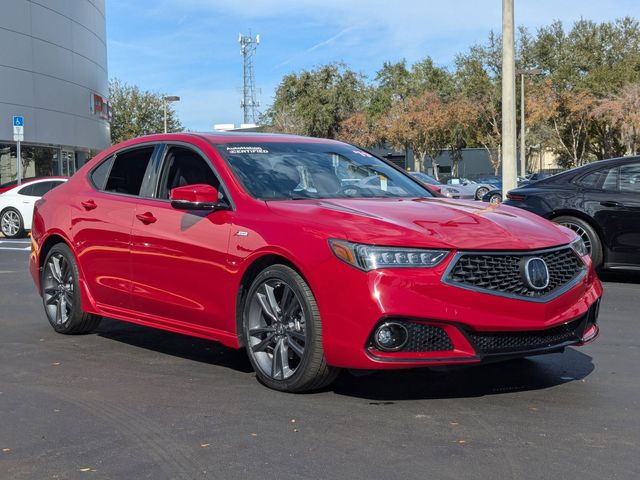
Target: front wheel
[61,293]
[11,223]
[283,332]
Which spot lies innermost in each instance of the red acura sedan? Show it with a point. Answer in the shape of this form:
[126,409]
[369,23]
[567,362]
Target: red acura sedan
[284,245]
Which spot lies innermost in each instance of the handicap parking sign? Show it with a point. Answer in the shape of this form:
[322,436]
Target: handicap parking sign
[18,121]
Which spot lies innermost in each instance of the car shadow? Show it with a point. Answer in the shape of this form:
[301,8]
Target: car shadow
[533,373]
[174,344]
[382,387]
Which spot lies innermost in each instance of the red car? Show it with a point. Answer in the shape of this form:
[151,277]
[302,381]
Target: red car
[267,242]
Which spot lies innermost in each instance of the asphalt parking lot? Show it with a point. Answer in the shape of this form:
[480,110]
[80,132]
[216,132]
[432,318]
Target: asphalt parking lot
[132,403]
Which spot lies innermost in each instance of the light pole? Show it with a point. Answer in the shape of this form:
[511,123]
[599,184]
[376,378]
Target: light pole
[523,152]
[165,100]
[509,165]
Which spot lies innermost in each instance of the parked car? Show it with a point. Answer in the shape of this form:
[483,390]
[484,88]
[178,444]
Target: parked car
[470,188]
[493,196]
[9,185]
[255,241]
[16,204]
[445,190]
[599,201]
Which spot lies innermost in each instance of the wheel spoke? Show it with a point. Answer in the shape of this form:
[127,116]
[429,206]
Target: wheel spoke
[275,308]
[54,266]
[286,297]
[50,291]
[68,296]
[257,331]
[54,297]
[284,357]
[58,311]
[64,269]
[297,349]
[275,360]
[266,309]
[297,335]
[259,347]
[63,309]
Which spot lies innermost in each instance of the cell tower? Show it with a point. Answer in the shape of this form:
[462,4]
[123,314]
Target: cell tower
[249,103]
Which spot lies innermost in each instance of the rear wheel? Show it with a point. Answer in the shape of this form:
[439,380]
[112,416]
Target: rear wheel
[61,293]
[588,235]
[496,198]
[11,223]
[283,332]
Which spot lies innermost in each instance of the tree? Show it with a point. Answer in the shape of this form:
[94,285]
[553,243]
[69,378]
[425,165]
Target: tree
[315,102]
[623,112]
[422,125]
[137,112]
[359,130]
[478,77]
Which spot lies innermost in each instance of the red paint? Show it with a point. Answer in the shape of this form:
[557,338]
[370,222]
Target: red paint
[143,261]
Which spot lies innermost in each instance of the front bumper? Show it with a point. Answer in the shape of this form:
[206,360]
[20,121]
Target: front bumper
[479,326]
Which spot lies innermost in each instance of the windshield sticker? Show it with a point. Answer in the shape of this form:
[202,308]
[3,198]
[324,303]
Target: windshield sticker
[246,149]
[360,152]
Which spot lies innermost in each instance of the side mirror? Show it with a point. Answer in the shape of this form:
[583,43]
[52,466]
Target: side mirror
[196,197]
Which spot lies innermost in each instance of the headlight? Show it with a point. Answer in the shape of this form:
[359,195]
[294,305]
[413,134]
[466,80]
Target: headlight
[579,247]
[369,257]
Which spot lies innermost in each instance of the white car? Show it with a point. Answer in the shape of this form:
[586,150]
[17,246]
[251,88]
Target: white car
[16,205]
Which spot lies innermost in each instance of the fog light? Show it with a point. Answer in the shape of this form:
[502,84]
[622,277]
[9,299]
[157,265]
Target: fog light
[390,336]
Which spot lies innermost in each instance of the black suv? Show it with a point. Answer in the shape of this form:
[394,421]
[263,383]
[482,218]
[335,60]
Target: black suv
[599,201]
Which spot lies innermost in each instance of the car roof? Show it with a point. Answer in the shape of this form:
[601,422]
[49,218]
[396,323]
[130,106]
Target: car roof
[568,175]
[35,180]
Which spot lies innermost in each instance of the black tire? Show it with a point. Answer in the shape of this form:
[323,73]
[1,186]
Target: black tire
[481,192]
[61,293]
[588,235]
[274,326]
[11,223]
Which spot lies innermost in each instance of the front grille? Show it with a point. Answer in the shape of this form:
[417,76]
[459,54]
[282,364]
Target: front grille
[501,272]
[513,342]
[426,338]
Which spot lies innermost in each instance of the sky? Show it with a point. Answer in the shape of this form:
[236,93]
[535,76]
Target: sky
[190,47]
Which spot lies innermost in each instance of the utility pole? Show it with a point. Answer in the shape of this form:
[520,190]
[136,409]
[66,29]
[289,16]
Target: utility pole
[509,164]
[249,104]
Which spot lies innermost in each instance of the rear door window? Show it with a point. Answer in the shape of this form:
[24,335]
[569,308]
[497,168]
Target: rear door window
[128,171]
[630,178]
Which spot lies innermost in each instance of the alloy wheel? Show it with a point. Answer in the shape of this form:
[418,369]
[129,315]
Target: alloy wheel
[58,290]
[10,223]
[582,233]
[276,329]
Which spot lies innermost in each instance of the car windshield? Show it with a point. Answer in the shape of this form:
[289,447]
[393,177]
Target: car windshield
[284,171]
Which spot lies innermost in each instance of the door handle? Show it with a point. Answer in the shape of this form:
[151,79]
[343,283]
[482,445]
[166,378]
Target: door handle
[89,204]
[146,218]
[610,203]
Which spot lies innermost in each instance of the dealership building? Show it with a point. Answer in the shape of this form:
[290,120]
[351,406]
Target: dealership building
[53,73]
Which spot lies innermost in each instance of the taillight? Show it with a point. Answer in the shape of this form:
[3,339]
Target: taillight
[516,197]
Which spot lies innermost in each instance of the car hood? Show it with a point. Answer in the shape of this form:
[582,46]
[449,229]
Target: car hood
[431,223]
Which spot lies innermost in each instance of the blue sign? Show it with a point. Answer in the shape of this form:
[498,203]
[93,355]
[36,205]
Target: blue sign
[18,121]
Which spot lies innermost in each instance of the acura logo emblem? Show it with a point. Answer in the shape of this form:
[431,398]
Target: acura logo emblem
[535,273]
